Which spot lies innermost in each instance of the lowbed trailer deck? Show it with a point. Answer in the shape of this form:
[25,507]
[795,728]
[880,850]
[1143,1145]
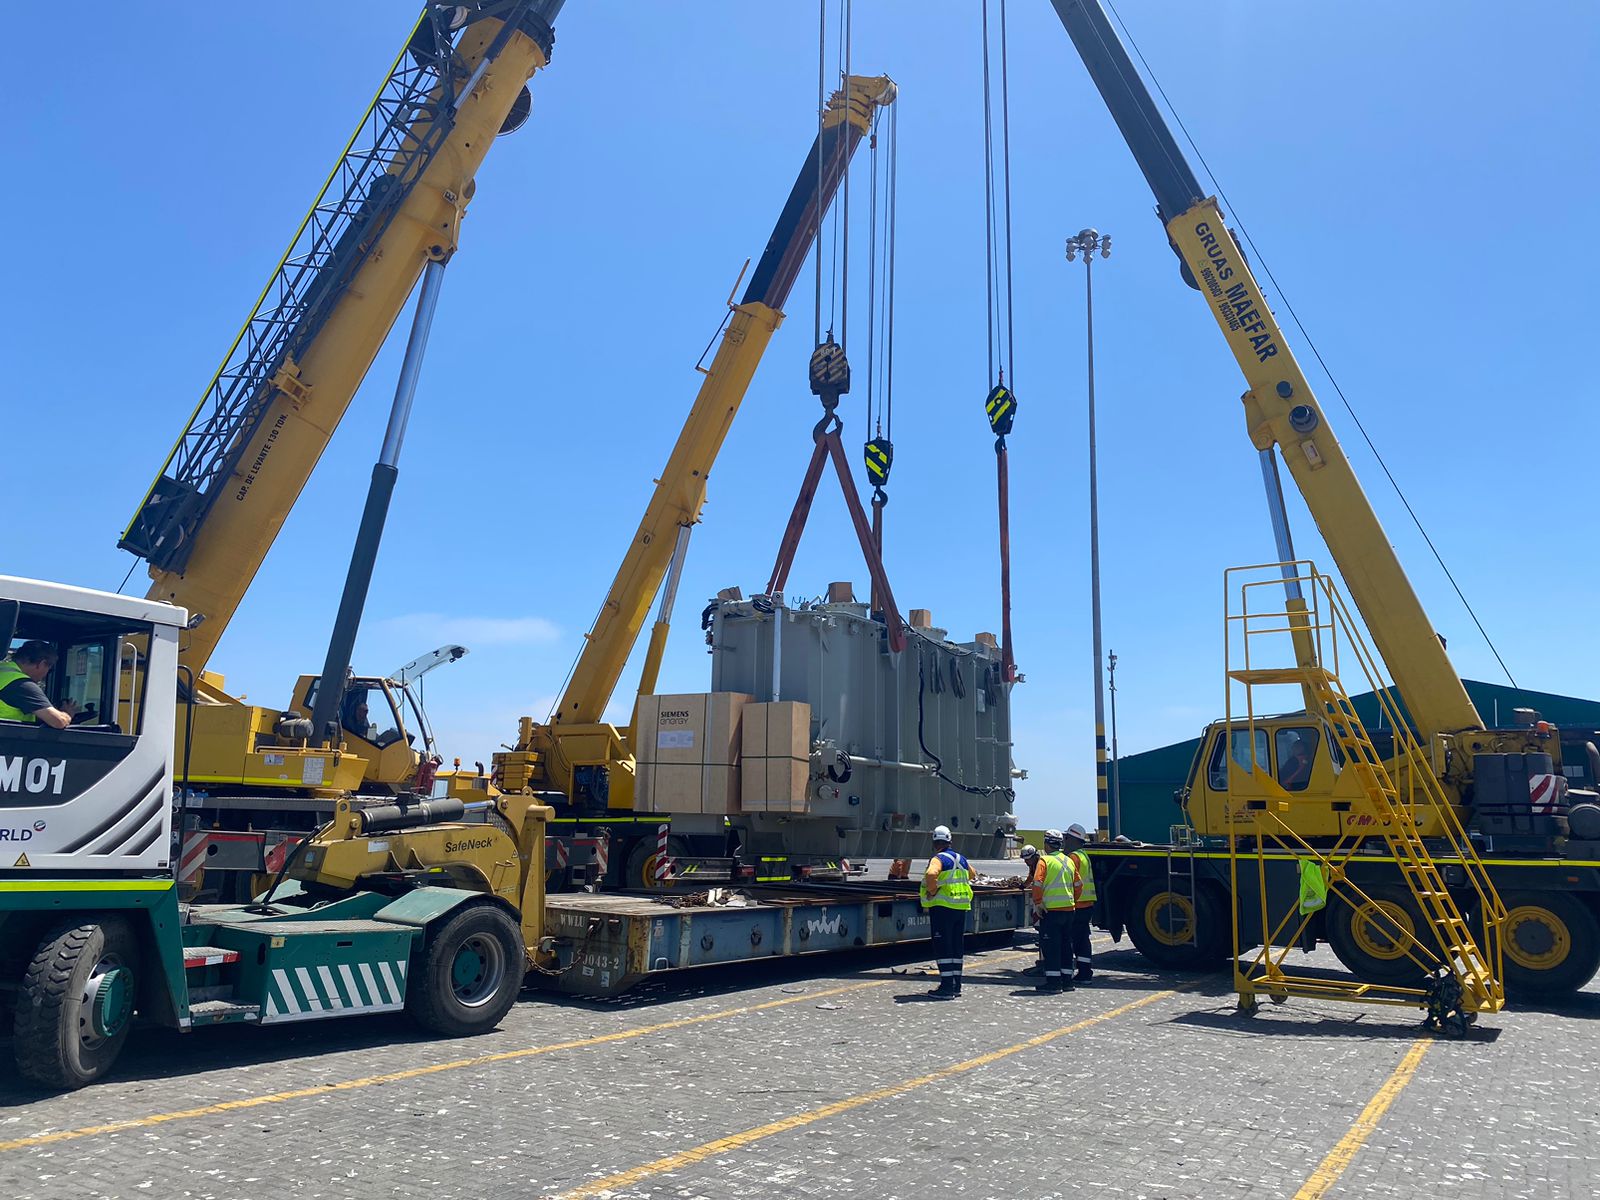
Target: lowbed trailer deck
[607,943]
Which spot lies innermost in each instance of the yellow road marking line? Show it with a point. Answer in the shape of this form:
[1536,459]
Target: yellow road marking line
[1339,1158]
[736,1141]
[350,1085]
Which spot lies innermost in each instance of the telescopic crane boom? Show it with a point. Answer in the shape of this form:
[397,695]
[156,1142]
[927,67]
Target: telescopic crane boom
[393,204]
[1280,409]
[576,752]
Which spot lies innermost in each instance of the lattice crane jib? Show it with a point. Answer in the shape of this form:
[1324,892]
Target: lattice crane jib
[392,202]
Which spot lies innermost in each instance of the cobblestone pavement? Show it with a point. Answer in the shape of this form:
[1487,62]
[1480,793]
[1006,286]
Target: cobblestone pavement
[822,1079]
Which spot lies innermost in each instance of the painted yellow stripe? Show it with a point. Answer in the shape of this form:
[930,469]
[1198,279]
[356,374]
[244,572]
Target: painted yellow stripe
[1339,1158]
[737,1141]
[85,885]
[350,1085]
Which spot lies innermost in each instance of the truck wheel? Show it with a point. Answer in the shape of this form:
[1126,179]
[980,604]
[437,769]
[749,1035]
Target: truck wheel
[642,862]
[471,973]
[1375,939]
[1550,943]
[1173,929]
[76,1004]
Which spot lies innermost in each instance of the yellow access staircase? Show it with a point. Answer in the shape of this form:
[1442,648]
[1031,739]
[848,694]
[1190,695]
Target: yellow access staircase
[1295,606]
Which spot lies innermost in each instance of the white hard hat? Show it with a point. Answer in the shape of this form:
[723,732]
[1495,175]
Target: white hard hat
[1078,831]
[1052,837]
[1030,851]
[941,833]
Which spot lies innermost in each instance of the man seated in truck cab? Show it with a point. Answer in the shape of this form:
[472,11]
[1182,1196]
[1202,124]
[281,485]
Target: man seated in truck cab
[21,696]
[1294,763]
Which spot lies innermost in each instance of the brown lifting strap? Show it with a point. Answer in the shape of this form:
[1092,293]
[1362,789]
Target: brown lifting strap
[830,379]
[1001,409]
[827,444]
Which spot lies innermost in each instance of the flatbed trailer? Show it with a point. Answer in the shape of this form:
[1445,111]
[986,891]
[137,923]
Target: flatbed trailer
[1173,901]
[607,943]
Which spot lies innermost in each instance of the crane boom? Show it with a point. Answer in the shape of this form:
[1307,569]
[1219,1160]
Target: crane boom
[1280,409]
[393,202]
[680,492]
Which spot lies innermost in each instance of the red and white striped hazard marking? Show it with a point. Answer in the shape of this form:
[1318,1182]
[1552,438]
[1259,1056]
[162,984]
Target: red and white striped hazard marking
[664,865]
[279,852]
[208,956]
[1546,793]
[562,854]
[193,857]
[602,855]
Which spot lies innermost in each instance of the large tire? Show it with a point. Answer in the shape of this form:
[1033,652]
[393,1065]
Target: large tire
[1375,941]
[471,972]
[1174,932]
[75,1006]
[1550,944]
[642,862]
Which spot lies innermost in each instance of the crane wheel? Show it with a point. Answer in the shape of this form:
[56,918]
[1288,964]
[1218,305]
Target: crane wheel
[471,973]
[1378,939]
[642,862]
[75,1006]
[1176,930]
[1550,943]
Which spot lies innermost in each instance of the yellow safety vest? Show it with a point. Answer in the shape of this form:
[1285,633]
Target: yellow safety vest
[1080,859]
[9,674]
[955,884]
[1060,872]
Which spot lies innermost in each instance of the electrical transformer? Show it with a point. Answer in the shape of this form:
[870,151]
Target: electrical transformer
[899,742]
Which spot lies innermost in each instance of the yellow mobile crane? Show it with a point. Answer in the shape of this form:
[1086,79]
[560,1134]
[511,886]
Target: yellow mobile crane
[389,213]
[576,753]
[1446,793]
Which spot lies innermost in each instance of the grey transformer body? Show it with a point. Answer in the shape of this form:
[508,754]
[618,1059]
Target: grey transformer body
[877,787]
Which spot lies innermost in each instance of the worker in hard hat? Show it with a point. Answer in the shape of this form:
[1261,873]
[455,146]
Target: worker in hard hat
[1030,860]
[947,895]
[1054,902]
[1074,840]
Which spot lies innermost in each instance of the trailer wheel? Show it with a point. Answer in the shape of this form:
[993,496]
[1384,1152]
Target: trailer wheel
[1173,929]
[76,1004]
[1376,938]
[471,973]
[1550,943]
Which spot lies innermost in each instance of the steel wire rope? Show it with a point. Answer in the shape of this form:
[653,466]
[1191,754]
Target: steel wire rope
[892,202]
[845,22]
[988,192]
[822,109]
[1316,353]
[1005,157]
[872,272]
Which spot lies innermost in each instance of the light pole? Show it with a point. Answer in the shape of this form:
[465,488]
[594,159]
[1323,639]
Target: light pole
[1087,243]
[1116,763]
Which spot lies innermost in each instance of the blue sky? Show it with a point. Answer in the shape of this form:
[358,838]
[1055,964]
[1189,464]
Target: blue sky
[1420,177]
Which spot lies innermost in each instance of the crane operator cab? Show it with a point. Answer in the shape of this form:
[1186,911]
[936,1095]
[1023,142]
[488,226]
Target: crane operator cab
[1271,760]
[382,723]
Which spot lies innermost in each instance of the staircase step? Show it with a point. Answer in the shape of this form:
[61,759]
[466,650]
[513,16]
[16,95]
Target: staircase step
[222,1012]
[207,956]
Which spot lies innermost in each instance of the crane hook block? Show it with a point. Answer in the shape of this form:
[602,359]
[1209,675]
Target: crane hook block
[879,454]
[830,372]
[1002,409]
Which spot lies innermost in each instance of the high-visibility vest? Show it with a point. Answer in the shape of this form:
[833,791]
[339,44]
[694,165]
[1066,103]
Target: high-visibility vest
[1060,872]
[955,883]
[1080,859]
[1313,887]
[9,674]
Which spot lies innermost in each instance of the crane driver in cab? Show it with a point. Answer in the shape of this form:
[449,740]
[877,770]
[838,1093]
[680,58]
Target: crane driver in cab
[22,698]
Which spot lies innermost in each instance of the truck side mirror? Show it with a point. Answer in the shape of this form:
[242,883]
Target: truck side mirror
[10,613]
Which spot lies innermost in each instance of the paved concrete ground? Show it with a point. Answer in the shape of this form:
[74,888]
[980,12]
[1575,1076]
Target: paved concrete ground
[825,1079]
